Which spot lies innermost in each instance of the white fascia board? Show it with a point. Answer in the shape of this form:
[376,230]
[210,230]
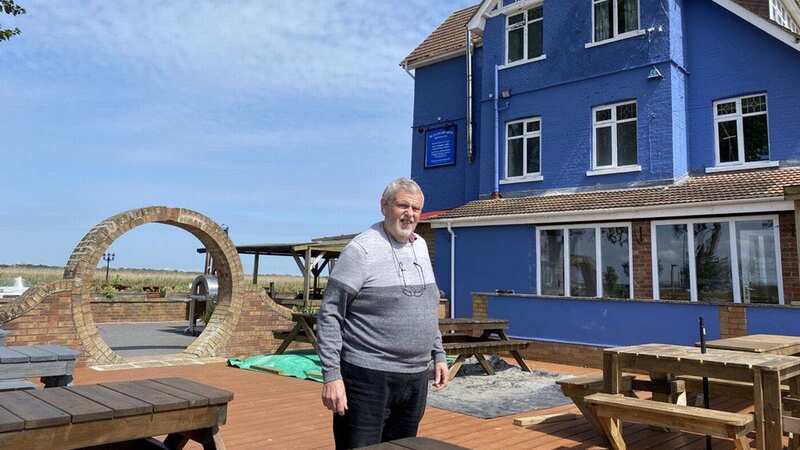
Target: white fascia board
[478,21]
[768,27]
[725,207]
[436,59]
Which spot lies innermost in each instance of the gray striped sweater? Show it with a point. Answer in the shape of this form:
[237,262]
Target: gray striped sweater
[380,309]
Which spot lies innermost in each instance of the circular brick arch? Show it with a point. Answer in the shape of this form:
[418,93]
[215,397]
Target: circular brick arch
[84,259]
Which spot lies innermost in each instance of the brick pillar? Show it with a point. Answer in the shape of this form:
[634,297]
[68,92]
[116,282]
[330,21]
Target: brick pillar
[480,306]
[732,321]
[789,263]
[642,260]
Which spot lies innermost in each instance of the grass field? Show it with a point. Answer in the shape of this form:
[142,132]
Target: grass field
[173,281]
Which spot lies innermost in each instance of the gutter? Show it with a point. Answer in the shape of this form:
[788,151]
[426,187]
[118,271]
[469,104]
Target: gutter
[452,271]
[470,152]
[496,191]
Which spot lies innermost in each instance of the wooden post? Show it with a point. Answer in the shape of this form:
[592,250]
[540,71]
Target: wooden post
[612,374]
[255,269]
[272,289]
[773,411]
[306,277]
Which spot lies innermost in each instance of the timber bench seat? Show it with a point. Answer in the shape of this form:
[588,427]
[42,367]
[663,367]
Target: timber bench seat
[119,415]
[53,364]
[610,409]
[465,349]
[578,388]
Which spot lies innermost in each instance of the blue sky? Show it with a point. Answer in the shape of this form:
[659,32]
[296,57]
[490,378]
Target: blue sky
[279,118]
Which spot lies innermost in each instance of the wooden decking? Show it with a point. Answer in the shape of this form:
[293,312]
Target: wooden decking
[275,412]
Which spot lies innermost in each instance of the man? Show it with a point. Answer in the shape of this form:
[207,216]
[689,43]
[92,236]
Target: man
[378,327]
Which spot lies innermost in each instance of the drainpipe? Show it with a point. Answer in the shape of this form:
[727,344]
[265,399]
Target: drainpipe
[452,270]
[470,152]
[496,192]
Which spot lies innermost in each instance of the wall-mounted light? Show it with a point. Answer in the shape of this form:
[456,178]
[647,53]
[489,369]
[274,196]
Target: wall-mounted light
[420,130]
[654,74]
[505,93]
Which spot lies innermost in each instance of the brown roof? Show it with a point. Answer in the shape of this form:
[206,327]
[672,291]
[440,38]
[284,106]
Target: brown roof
[449,37]
[757,184]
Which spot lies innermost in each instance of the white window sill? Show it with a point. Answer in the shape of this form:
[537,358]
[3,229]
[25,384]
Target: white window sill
[612,170]
[522,62]
[616,38]
[525,179]
[745,166]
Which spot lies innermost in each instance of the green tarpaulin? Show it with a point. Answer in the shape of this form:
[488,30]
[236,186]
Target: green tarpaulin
[303,364]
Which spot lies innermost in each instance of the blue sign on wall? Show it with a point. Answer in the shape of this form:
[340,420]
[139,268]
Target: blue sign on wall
[440,147]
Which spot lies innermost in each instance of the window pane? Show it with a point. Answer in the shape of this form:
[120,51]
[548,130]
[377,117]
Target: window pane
[712,252]
[582,263]
[533,126]
[517,18]
[756,142]
[626,143]
[603,137]
[533,155]
[758,267]
[673,262]
[515,129]
[514,158]
[515,44]
[552,261]
[535,39]
[627,15]
[626,111]
[602,115]
[535,13]
[726,108]
[754,104]
[616,267]
[728,141]
[603,12]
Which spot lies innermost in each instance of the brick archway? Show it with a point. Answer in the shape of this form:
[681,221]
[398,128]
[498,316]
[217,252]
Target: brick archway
[84,259]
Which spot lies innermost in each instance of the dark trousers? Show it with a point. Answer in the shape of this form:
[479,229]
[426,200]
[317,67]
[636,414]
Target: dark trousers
[381,406]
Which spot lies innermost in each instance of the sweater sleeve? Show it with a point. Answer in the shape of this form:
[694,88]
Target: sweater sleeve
[346,280]
[437,353]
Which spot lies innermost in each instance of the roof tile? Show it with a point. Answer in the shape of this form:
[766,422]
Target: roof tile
[447,38]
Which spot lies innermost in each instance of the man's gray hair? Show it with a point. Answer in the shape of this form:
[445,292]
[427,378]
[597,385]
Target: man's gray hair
[401,184]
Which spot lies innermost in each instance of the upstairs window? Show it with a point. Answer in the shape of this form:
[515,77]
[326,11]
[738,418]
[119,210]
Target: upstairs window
[614,18]
[614,135]
[524,37]
[741,132]
[523,148]
[780,15]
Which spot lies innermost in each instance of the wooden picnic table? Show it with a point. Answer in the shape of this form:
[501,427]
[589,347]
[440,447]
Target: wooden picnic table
[303,331]
[765,371]
[414,443]
[120,415]
[775,344]
[53,364]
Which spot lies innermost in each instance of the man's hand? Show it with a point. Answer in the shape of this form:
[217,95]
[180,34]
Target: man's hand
[440,376]
[334,397]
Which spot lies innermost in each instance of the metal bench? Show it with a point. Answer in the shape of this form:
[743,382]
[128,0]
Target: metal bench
[120,415]
[53,364]
[610,409]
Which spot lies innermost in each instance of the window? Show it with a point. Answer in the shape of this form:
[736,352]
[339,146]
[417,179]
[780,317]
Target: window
[718,260]
[741,133]
[585,261]
[524,37]
[523,148]
[614,18]
[780,14]
[614,135]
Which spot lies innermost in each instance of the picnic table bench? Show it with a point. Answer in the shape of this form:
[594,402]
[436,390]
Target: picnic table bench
[115,415]
[53,364]
[414,443]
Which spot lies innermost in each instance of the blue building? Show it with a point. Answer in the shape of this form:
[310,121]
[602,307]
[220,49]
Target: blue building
[603,172]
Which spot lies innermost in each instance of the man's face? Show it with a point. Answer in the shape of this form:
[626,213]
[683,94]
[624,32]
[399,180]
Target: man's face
[401,215]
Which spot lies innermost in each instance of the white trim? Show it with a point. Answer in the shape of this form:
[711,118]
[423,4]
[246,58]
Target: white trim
[478,21]
[737,116]
[513,8]
[734,255]
[436,59]
[617,38]
[613,123]
[523,25]
[745,166]
[597,228]
[523,179]
[522,62]
[715,208]
[764,25]
[610,170]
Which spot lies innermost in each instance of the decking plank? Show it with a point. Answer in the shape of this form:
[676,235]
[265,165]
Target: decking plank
[35,412]
[161,401]
[215,396]
[80,408]
[122,405]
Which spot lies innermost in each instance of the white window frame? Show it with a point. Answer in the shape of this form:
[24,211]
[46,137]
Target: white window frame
[524,26]
[779,13]
[613,122]
[598,254]
[526,176]
[731,221]
[739,117]
[615,35]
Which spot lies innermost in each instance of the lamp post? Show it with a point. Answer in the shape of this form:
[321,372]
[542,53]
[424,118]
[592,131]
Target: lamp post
[108,257]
